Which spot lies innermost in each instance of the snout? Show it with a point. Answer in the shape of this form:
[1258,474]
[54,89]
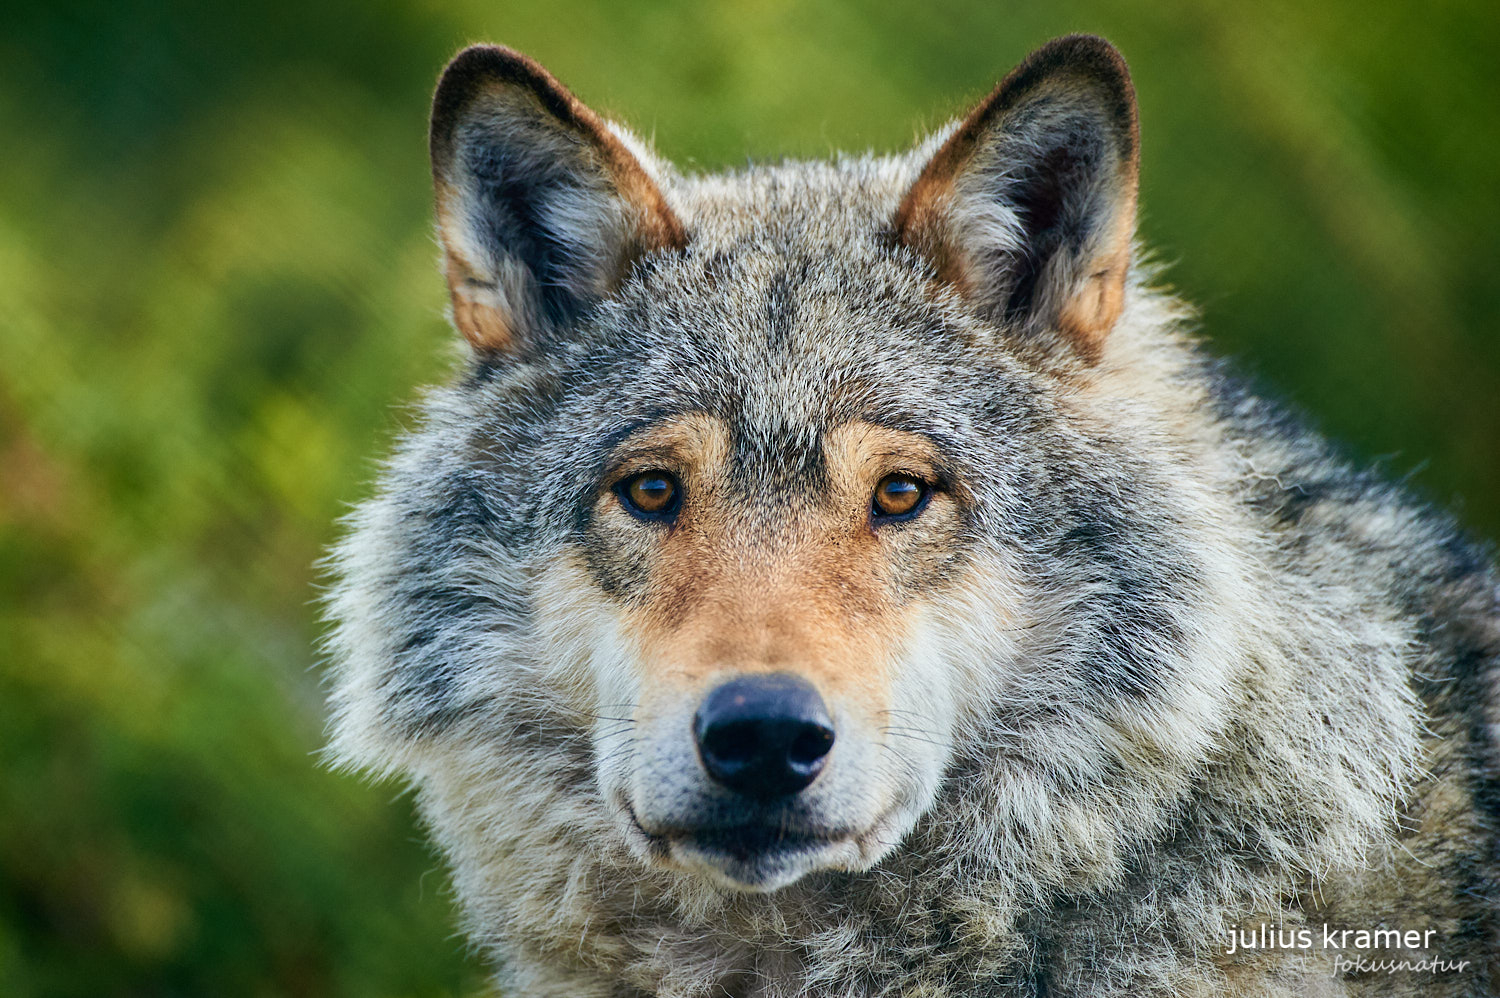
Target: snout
[740,781]
[763,736]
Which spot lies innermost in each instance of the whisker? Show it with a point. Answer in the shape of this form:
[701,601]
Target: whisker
[903,733]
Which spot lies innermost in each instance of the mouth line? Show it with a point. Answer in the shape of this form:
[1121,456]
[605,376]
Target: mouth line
[740,842]
[755,857]
[744,843]
[659,845]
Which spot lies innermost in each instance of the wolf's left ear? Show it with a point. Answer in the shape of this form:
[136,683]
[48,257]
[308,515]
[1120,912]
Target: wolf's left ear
[1029,207]
[542,208]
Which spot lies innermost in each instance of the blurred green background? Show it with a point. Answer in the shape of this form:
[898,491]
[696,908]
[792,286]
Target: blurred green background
[218,284]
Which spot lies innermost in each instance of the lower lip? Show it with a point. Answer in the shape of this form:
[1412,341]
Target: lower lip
[746,844]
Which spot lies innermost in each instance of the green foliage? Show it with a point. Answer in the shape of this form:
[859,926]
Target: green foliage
[217,275]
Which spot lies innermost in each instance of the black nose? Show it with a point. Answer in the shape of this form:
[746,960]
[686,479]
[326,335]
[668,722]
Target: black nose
[764,735]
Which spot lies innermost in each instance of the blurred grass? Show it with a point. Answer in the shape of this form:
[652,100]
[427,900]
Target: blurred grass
[217,277]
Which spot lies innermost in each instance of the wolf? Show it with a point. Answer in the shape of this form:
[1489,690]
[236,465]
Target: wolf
[852,578]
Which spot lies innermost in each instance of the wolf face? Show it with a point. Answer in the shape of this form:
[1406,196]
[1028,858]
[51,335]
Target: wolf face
[773,479]
[766,613]
[798,532]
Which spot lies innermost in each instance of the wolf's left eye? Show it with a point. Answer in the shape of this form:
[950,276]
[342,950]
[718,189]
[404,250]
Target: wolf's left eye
[899,497]
[650,495]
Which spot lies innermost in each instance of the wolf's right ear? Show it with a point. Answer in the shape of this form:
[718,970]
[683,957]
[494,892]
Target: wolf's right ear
[542,208]
[1028,208]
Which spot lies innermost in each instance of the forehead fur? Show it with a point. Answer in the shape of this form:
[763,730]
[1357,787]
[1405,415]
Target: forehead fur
[791,205]
[790,311]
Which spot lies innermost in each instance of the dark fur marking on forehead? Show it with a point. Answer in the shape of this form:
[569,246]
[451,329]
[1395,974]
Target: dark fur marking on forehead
[783,460]
[781,304]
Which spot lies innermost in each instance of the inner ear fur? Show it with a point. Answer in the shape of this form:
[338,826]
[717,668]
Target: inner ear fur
[1028,208]
[541,207]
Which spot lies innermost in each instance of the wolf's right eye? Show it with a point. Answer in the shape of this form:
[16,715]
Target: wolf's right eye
[650,495]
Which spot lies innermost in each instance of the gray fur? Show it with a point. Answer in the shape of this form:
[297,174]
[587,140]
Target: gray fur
[1240,681]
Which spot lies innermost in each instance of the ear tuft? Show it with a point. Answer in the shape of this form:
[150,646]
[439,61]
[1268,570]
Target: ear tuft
[542,208]
[1028,208]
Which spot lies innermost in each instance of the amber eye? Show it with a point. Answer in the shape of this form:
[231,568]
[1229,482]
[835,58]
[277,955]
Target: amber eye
[650,495]
[899,497]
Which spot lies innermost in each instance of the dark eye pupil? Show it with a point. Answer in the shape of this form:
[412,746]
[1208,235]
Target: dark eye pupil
[653,488]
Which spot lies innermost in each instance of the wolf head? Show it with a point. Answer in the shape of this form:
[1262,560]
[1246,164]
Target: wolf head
[782,514]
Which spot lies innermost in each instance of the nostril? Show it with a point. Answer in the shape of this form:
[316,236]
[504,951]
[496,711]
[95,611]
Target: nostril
[764,736]
[811,745]
[732,743]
